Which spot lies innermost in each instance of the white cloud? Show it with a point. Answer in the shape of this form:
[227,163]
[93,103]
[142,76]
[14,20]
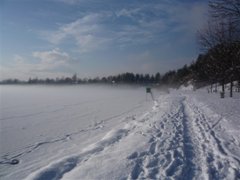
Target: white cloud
[52,58]
[49,64]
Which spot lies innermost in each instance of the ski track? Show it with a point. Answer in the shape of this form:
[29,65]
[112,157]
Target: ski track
[220,164]
[170,152]
[182,144]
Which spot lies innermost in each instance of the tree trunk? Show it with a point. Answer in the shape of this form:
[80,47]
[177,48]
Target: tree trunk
[238,88]
[211,88]
[223,89]
[231,88]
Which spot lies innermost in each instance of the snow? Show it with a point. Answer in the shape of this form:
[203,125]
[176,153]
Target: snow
[188,87]
[112,132]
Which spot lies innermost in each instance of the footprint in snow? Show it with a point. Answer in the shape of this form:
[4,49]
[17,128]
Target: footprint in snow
[133,155]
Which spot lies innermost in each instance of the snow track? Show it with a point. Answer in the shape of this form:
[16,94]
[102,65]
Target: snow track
[171,150]
[218,162]
[184,146]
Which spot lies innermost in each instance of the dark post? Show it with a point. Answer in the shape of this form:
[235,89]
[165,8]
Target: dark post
[148,90]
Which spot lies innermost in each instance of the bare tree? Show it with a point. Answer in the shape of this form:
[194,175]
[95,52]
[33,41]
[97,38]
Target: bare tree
[225,9]
[213,34]
[220,39]
[214,41]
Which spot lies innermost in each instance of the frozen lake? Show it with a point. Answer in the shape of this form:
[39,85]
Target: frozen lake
[31,114]
[34,116]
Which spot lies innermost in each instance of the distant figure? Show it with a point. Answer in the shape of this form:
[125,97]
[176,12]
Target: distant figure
[149,91]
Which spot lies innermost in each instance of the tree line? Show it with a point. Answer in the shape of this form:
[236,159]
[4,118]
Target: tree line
[172,78]
[124,78]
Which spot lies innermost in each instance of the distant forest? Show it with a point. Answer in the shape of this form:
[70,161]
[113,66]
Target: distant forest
[218,62]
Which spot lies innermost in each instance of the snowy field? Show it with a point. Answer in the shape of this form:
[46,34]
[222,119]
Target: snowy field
[94,132]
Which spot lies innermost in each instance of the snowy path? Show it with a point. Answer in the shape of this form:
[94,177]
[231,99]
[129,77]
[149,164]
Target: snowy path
[218,162]
[178,143]
[178,138]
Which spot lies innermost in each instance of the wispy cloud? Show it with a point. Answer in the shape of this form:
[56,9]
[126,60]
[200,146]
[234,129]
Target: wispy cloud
[139,24]
[98,31]
[70,2]
[88,32]
[128,12]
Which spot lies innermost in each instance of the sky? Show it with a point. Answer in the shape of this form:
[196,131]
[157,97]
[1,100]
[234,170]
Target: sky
[57,38]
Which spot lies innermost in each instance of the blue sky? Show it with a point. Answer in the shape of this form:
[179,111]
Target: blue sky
[55,38]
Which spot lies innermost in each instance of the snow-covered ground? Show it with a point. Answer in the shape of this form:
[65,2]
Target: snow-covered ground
[88,132]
